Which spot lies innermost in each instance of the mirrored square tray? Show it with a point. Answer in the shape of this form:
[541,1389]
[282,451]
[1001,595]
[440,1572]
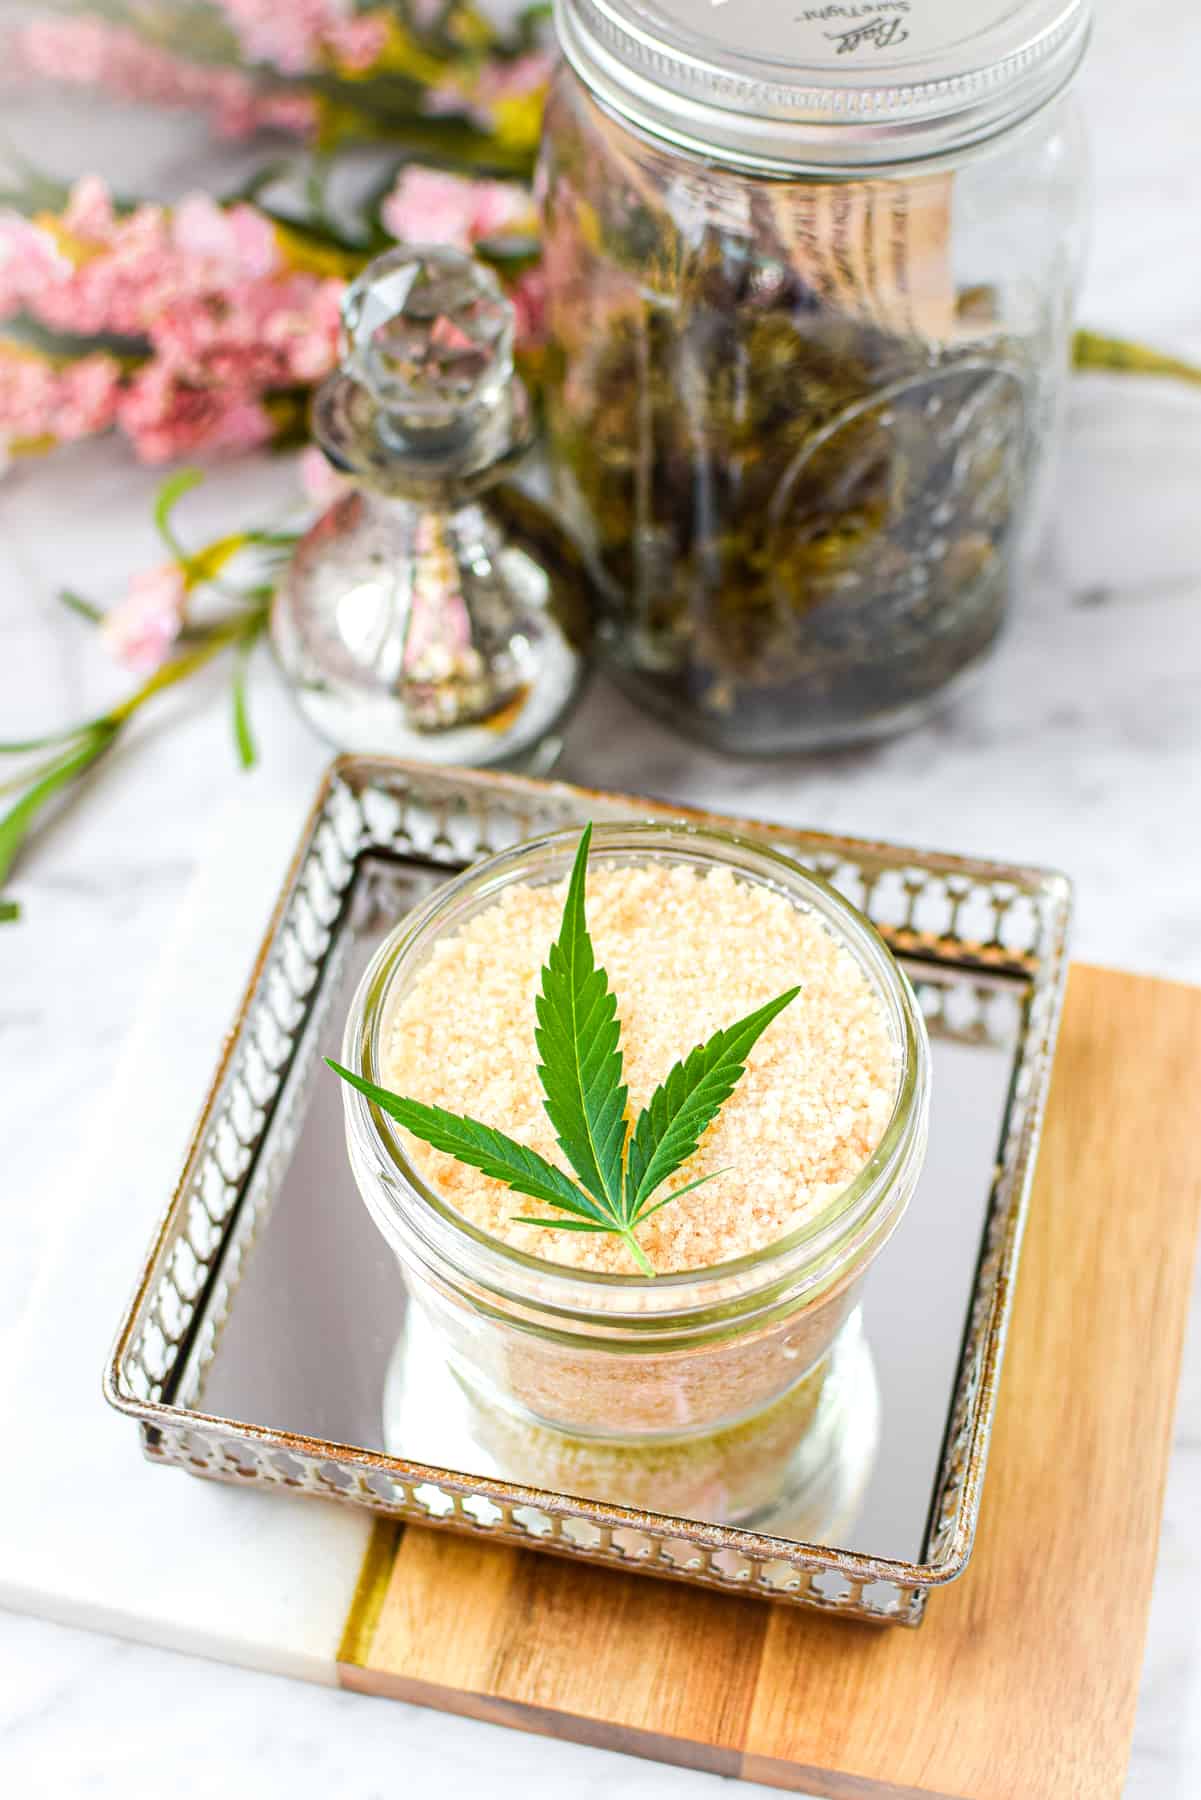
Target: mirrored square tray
[267,1342]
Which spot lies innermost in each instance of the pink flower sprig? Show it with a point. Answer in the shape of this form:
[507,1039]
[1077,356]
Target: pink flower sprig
[215,320]
[323,70]
[141,629]
[431,206]
[504,98]
[84,50]
[216,315]
[301,35]
[150,631]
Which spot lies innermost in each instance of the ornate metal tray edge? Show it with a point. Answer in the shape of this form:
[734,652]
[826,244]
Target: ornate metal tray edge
[968,912]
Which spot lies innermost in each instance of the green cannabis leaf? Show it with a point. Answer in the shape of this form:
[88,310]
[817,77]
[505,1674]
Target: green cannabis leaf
[481,1147]
[579,1040]
[670,1126]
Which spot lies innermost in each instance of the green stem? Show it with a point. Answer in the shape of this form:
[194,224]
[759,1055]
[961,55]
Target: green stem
[637,1252]
[17,784]
[1092,350]
[17,823]
[243,736]
[171,491]
[207,645]
[233,631]
[91,739]
[22,746]
[77,604]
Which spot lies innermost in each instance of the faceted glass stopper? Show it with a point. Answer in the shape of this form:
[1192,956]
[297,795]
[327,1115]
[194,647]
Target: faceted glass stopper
[429,334]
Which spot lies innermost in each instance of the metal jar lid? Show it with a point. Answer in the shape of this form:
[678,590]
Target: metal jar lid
[785,85]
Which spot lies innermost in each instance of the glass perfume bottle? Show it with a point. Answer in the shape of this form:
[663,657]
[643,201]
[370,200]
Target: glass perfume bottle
[436,611]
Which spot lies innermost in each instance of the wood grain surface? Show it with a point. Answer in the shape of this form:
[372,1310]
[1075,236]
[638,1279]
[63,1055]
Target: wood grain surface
[1021,1683]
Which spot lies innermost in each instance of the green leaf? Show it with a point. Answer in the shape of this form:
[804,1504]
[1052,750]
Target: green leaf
[77,604]
[530,20]
[207,564]
[671,1125]
[560,1224]
[627,1237]
[243,736]
[578,1038]
[9,912]
[171,492]
[69,346]
[19,821]
[31,773]
[22,746]
[676,1193]
[39,192]
[267,175]
[481,1148]
[1090,350]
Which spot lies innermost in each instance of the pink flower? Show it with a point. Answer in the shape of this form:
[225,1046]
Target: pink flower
[28,391]
[274,333]
[513,78]
[358,41]
[39,402]
[89,214]
[88,395]
[121,287]
[231,242]
[289,34]
[86,51]
[30,261]
[237,109]
[142,627]
[297,35]
[321,482]
[429,207]
[167,416]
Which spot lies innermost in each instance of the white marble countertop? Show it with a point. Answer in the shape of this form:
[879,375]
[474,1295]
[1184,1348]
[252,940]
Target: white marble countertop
[1080,747]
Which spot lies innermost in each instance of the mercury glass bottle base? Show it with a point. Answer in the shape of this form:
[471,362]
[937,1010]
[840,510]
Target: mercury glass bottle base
[374,725]
[796,1469]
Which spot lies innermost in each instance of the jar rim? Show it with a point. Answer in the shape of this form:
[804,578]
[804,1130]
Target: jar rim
[821,1245]
[783,95]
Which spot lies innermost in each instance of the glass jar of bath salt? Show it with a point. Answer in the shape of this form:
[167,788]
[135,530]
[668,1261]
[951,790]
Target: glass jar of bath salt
[593,1353]
[810,276]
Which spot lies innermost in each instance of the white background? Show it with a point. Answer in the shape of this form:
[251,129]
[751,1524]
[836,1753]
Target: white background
[1080,748]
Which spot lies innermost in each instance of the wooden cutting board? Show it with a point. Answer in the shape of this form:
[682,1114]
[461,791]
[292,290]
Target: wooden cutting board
[1021,1683]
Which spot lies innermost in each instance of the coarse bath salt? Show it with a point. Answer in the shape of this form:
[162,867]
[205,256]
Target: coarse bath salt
[687,952]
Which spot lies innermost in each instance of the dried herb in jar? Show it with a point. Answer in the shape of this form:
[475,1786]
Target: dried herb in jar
[798,467]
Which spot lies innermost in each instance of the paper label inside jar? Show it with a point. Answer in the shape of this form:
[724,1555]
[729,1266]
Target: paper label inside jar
[880,249]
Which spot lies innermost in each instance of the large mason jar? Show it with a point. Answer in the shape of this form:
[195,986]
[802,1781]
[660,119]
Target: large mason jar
[810,280]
